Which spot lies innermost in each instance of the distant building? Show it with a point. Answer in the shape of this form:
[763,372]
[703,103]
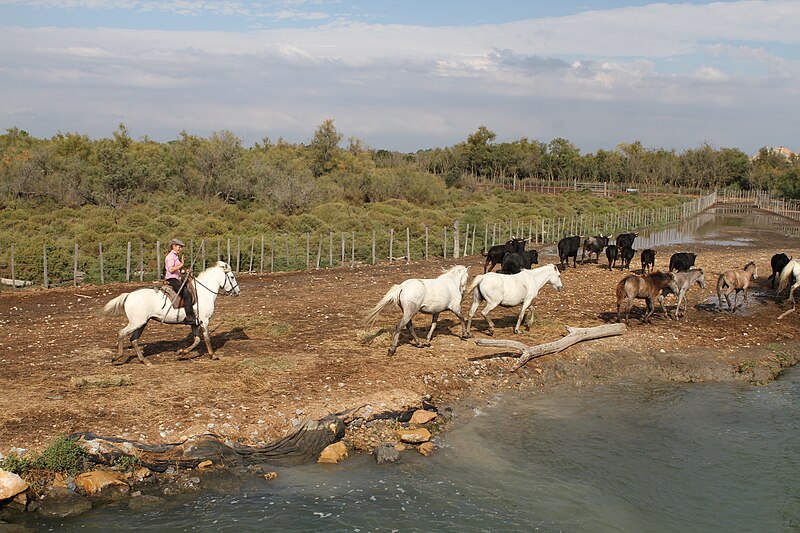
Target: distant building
[782,151]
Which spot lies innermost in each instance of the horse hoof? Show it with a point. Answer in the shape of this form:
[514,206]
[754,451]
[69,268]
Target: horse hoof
[214,357]
[147,363]
[391,351]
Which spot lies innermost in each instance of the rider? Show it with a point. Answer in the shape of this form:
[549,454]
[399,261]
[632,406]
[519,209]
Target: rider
[173,264]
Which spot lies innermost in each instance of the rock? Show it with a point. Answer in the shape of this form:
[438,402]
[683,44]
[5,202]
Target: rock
[205,464]
[60,502]
[400,447]
[333,453]
[426,448]
[386,453]
[269,476]
[422,416]
[139,475]
[11,485]
[103,484]
[144,501]
[414,436]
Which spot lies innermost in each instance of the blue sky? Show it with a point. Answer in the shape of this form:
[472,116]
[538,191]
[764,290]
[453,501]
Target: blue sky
[406,75]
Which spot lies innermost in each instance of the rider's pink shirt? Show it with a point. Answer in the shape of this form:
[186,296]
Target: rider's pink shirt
[170,261]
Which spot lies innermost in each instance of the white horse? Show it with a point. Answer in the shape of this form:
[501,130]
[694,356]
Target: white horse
[142,305]
[510,290]
[792,268]
[431,296]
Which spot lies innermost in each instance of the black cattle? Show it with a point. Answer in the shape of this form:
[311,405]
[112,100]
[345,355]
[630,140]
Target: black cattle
[514,262]
[682,261]
[648,260]
[626,254]
[611,254]
[779,261]
[594,245]
[568,247]
[625,240]
[496,253]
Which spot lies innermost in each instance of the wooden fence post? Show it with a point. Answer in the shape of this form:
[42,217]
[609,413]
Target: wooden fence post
[261,265]
[272,255]
[426,243]
[219,249]
[229,252]
[466,240]
[308,251]
[391,244]
[252,252]
[44,266]
[373,247]
[202,255]
[13,268]
[408,245]
[319,250]
[330,249]
[344,245]
[472,248]
[141,260]
[456,237]
[353,251]
[128,264]
[75,268]
[238,254]
[287,250]
[444,245]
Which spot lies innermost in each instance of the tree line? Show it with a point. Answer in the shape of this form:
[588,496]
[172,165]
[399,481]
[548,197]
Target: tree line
[72,169]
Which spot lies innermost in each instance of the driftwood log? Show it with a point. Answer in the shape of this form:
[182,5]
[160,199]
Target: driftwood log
[575,335]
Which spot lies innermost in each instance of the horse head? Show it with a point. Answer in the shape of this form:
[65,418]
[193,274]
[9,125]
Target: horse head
[555,278]
[752,269]
[229,284]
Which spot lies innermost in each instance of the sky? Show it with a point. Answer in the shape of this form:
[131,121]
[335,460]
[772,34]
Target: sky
[407,74]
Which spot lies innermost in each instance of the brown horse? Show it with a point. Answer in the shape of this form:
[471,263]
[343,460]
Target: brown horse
[735,281]
[647,288]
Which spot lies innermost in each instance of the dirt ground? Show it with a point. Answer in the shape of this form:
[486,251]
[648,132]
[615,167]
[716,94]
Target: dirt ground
[293,345]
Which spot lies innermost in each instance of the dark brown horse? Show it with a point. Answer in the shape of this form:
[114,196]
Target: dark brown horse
[735,281]
[647,287]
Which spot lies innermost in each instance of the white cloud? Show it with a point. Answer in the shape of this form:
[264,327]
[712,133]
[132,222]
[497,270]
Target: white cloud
[597,78]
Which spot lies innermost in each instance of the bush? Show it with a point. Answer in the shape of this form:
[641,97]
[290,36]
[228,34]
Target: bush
[63,455]
[16,464]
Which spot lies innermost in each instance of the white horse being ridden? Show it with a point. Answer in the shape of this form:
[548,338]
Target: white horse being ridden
[510,290]
[144,304]
[431,296]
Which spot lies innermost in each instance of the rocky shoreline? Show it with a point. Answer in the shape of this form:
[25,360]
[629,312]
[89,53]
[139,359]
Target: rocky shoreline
[385,435]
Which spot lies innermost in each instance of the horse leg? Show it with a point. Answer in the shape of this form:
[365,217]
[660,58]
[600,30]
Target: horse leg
[434,321]
[131,330]
[476,301]
[649,311]
[457,312]
[207,339]
[410,328]
[485,314]
[188,349]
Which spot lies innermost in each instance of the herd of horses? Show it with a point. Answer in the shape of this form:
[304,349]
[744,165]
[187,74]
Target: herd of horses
[517,284]
[512,286]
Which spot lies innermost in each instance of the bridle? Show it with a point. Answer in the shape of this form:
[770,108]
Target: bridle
[227,280]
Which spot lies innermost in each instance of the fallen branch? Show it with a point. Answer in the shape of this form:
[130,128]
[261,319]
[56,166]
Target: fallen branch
[786,313]
[575,335]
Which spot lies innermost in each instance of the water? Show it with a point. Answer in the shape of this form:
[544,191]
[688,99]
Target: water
[626,457]
[721,226]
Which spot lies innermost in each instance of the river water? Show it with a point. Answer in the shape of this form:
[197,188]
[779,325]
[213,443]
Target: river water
[623,457]
[626,457]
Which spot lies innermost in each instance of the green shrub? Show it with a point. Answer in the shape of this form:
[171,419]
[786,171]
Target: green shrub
[17,464]
[63,455]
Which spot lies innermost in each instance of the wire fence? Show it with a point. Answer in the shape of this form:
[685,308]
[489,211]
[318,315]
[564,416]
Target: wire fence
[112,262]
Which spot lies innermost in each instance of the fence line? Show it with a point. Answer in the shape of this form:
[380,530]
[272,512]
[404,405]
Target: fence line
[106,263]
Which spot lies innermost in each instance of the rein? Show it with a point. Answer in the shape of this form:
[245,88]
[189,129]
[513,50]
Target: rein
[217,293]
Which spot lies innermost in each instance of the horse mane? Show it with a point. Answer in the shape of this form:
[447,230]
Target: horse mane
[452,270]
[219,264]
[748,264]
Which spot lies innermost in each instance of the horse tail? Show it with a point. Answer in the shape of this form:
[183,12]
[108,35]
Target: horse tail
[786,275]
[115,306]
[393,296]
[475,283]
[621,292]
[721,283]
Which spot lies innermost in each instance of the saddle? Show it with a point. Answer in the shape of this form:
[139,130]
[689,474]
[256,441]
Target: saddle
[177,301]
